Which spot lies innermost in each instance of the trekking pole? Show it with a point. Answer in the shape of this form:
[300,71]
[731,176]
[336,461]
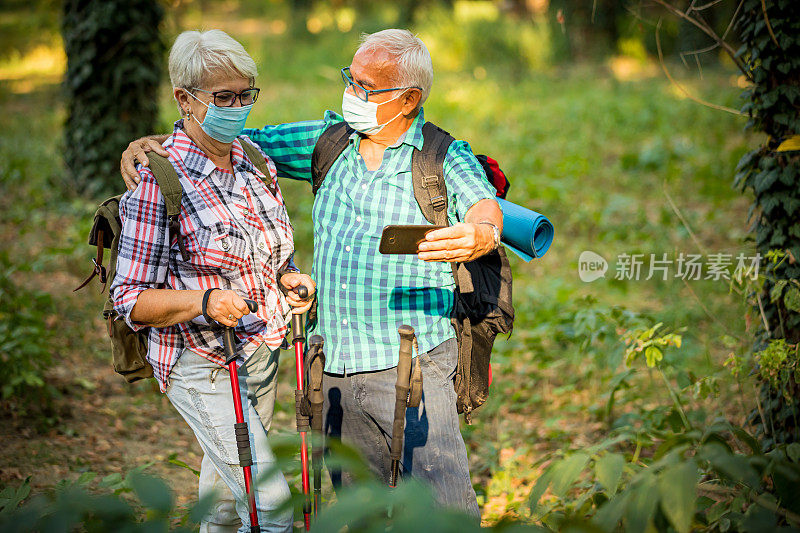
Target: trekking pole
[402,388]
[316,367]
[302,420]
[240,427]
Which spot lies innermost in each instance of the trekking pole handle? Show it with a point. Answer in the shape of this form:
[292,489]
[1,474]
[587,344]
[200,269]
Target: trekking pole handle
[301,290]
[404,363]
[228,337]
[297,319]
[251,304]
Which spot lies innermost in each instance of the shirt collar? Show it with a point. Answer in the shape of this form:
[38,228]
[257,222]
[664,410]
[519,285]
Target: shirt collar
[412,136]
[197,164]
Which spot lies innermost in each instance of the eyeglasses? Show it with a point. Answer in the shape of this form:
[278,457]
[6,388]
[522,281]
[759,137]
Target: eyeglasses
[228,98]
[363,93]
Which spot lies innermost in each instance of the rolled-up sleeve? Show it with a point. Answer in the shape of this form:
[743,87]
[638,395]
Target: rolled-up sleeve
[465,180]
[143,254]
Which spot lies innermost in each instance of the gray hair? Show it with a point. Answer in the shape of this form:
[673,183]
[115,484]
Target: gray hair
[414,66]
[197,56]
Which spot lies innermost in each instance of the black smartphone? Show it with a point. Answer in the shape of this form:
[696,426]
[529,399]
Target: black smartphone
[404,239]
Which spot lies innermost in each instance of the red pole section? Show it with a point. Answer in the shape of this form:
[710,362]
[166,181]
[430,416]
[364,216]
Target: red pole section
[299,339]
[248,475]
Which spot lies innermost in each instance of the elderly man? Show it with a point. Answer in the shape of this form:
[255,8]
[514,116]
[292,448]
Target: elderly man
[364,296]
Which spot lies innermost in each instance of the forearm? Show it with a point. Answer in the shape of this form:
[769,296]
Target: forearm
[165,307]
[465,241]
[486,210]
[160,139]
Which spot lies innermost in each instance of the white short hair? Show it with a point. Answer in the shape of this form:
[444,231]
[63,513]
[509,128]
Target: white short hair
[414,66]
[198,56]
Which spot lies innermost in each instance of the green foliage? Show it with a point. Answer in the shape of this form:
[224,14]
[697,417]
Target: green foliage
[115,56]
[644,340]
[26,317]
[771,51]
[106,505]
[671,475]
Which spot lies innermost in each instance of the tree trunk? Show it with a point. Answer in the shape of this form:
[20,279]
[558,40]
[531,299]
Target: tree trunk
[770,35]
[114,66]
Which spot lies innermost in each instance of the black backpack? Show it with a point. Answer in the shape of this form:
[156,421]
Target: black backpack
[483,307]
[129,347]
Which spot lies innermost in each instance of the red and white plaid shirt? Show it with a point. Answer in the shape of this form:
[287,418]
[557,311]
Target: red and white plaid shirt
[238,237]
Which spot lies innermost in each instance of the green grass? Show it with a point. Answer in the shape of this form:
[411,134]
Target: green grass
[595,154]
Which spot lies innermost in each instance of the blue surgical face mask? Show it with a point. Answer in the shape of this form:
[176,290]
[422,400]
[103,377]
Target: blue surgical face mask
[223,123]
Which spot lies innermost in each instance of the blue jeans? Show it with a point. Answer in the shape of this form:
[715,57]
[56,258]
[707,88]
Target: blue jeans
[359,409]
[201,392]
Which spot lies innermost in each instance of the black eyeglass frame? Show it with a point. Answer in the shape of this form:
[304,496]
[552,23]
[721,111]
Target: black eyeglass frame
[348,81]
[214,95]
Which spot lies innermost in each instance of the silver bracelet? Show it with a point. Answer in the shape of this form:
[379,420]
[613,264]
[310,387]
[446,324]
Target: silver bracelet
[496,232]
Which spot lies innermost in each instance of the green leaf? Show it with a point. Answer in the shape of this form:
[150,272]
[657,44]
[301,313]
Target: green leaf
[735,467]
[642,506]
[677,488]
[539,489]
[608,470]
[749,440]
[152,492]
[111,480]
[777,290]
[86,478]
[567,471]
[792,299]
[793,451]
[173,459]
[653,355]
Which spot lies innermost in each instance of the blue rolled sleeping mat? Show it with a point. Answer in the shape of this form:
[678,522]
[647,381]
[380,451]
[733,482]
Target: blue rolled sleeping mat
[526,233]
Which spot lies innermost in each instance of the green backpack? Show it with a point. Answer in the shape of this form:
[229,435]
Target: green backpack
[128,347]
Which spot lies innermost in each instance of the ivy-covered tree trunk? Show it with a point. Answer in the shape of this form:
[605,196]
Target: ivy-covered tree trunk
[770,33]
[114,66]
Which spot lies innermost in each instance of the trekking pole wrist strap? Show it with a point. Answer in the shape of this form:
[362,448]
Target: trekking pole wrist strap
[204,307]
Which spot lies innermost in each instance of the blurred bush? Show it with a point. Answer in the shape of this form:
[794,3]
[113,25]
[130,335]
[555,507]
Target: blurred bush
[25,335]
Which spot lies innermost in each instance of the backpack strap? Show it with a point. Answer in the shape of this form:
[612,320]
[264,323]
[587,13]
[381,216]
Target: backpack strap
[430,189]
[259,162]
[329,147]
[427,173]
[171,189]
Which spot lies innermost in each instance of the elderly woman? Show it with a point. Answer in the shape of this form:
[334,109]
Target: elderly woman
[238,244]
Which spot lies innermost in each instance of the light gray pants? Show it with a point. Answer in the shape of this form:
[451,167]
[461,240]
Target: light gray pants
[201,392]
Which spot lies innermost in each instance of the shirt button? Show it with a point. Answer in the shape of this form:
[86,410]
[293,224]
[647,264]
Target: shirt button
[261,245]
[344,286]
[346,248]
[344,322]
[358,219]
[364,186]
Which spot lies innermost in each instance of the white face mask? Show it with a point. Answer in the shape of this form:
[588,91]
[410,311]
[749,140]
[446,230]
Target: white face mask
[363,116]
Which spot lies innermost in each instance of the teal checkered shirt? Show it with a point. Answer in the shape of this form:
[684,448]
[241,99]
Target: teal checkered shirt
[363,296]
